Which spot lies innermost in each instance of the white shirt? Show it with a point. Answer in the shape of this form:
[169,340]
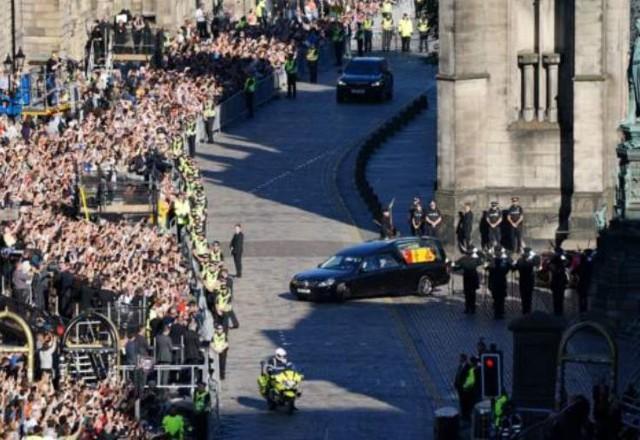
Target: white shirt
[200,15]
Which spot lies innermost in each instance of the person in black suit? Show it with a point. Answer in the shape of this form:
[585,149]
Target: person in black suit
[236,245]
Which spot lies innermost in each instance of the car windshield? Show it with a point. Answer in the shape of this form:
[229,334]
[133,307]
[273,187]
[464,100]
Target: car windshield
[341,262]
[362,68]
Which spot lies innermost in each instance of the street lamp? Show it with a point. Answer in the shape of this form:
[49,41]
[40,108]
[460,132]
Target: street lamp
[19,61]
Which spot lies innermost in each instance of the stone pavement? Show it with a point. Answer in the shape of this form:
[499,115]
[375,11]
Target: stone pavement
[276,174]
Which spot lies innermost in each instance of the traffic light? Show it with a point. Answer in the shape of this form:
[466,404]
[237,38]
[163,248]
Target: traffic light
[491,374]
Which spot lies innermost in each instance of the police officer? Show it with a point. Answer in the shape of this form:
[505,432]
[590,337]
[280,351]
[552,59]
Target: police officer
[291,69]
[191,131]
[468,264]
[181,212]
[338,40]
[387,7]
[224,307]
[173,425]
[515,217]
[367,26]
[465,227]
[405,28]
[312,62]
[220,347]
[584,272]
[387,31]
[557,269]
[201,408]
[249,92]
[433,219]
[209,115]
[416,218]
[360,38]
[494,219]
[526,267]
[216,256]
[498,270]
[423,30]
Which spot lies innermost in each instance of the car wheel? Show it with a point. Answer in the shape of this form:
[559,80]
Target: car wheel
[425,286]
[343,293]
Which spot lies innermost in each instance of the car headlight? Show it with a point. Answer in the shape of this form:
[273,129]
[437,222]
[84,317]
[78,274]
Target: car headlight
[326,283]
[341,83]
[376,84]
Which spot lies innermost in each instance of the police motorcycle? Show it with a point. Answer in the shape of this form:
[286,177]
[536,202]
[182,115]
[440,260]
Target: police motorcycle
[279,382]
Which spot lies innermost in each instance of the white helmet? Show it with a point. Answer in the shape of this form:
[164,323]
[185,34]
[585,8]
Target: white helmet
[281,354]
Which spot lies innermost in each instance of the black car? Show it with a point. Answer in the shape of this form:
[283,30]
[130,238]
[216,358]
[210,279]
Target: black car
[409,265]
[366,77]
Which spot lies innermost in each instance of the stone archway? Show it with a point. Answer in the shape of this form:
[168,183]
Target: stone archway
[564,357]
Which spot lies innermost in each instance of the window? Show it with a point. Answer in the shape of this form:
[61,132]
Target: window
[379,262]
[341,262]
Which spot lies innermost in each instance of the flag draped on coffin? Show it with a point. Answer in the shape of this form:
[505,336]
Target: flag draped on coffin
[419,255]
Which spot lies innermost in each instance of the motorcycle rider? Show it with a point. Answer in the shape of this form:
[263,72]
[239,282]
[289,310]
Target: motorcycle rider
[278,363]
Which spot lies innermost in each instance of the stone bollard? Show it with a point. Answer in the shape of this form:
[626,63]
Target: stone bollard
[447,424]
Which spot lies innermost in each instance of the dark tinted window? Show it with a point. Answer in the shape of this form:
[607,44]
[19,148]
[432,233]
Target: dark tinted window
[362,68]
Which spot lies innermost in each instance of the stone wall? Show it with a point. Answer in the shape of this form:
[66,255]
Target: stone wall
[506,126]
[43,26]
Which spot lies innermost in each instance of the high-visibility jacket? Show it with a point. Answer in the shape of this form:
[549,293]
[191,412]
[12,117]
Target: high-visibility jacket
[219,342]
[177,146]
[498,409]
[209,110]
[387,24]
[312,54]
[337,35]
[260,7]
[387,7]
[250,85]
[290,67]
[423,25]
[181,209]
[191,129]
[368,24]
[470,380]
[223,300]
[200,401]
[405,27]
[215,257]
[173,426]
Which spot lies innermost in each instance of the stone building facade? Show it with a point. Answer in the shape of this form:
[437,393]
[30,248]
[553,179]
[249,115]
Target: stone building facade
[530,96]
[46,25]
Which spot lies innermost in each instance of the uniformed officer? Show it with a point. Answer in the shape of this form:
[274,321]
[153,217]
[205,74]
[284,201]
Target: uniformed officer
[359,37]
[191,131]
[515,217]
[584,272]
[209,115]
[465,227]
[181,211]
[220,347]
[249,92]
[216,256]
[559,281]
[338,40]
[526,267]
[387,7]
[498,270]
[468,264]
[312,62]
[494,219]
[423,30]
[387,31]
[291,69]
[433,219]
[405,29]
[416,217]
[224,308]
[201,408]
[367,26]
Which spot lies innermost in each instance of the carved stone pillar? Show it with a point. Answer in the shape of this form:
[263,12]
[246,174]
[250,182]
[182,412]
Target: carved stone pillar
[551,62]
[527,62]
